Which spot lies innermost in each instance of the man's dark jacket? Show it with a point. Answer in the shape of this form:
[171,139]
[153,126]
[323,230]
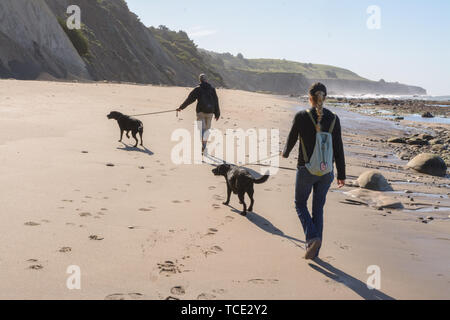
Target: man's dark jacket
[198,95]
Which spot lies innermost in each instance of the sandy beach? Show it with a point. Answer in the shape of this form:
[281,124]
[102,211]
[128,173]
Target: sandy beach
[146,228]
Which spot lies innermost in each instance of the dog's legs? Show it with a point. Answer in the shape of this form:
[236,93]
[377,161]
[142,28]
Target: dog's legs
[135,138]
[128,134]
[121,135]
[241,198]
[141,133]
[250,193]
[228,195]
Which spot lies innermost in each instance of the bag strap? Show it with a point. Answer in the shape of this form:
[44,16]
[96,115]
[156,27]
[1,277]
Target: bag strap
[304,152]
[333,124]
[312,118]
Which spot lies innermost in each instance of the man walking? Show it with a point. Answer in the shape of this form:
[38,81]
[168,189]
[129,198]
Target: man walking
[207,105]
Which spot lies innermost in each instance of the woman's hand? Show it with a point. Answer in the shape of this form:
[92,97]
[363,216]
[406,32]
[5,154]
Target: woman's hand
[341,183]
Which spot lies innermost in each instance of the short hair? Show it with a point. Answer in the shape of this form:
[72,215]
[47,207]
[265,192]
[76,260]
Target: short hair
[202,77]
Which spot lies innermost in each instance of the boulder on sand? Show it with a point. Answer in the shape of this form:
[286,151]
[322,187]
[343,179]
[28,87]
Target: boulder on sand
[429,164]
[397,140]
[417,142]
[374,180]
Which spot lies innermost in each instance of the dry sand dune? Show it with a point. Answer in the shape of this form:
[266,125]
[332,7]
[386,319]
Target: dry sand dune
[148,229]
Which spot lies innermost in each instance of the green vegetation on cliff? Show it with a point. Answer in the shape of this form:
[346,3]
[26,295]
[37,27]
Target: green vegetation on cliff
[309,70]
[79,41]
[185,50]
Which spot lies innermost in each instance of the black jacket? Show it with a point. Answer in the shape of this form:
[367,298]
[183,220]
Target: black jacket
[304,127]
[197,95]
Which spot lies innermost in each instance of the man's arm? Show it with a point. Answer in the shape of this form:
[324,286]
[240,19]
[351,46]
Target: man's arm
[217,109]
[292,138]
[193,96]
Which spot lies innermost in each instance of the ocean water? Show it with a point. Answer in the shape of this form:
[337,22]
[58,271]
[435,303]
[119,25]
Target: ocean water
[397,97]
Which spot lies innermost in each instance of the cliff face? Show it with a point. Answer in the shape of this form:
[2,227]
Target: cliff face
[290,77]
[355,87]
[279,83]
[121,48]
[32,43]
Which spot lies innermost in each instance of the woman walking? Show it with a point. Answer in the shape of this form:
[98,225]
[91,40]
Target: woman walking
[321,144]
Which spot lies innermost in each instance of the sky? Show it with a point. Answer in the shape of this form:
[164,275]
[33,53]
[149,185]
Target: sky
[408,41]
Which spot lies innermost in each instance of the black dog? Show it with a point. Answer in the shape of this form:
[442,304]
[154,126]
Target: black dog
[127,124]
[239,181]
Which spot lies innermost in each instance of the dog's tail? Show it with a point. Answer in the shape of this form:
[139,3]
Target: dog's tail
[262,179]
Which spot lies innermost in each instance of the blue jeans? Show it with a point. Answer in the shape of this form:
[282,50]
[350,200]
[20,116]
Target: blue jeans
[305,184]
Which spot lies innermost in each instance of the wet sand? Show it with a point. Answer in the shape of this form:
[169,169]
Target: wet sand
[145,228]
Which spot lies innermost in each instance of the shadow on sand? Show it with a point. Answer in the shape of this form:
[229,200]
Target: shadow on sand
[129,148]
[350,282]
[268,227]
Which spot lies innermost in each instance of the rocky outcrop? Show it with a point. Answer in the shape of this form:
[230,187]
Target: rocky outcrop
[429,164]
[32,43]
[123,49]
[279,83]
[374,180]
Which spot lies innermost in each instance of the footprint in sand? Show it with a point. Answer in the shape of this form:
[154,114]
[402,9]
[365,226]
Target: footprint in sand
[85,214]
[31,224]
[35,265]
[212,231]
[229,218]
[171,299]
[212,188]
[168,268]
[178,291]
[125,296]
[96,237]
[219,291]
[206,296]
[263,281]
[216,206]
[145,210]
[213,250]
[218,197]
[176,201]
[341,246]
[65,249]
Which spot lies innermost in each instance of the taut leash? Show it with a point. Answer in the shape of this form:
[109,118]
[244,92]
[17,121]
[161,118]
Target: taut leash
[154,113]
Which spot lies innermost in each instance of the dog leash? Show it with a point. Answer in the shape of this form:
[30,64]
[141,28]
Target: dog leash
[257,163]
[154,113]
